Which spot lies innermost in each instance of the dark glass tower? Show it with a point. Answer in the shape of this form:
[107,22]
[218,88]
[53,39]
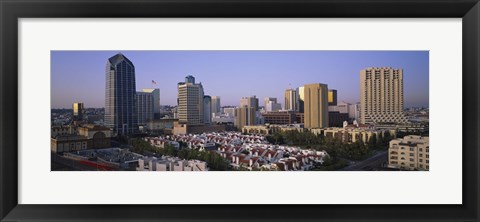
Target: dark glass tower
[120,110]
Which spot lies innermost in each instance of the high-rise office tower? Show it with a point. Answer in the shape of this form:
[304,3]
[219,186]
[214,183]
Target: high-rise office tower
[332,97]
[291,99]
[145,107]
[381,96]
[272,106]
[216,104]
[156,101]
[249,102]
[244,116]
[207,109]
[316,105]
[190,102]
[269,99]
[300,99]
[78,111]
[190,79]
[120,111]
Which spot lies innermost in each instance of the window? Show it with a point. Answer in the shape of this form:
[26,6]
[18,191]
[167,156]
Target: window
[420,160]
[411,160]
[411,154]
[411,149]
[427,161]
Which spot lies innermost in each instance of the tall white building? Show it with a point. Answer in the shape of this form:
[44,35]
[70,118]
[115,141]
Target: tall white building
[301,99]
[268,99]
[381,95]
[156,101]
[190,102]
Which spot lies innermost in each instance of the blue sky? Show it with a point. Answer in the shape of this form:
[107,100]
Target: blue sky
[79,76]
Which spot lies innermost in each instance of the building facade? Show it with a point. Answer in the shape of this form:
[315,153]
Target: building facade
[291,99]
[332,97]
[316,105]
[207,109]
[145,107]
[280,118]
[251,101]
[244,116]
[190,102]
[381,95]
[272,106]
[409,153]
[300,99]
[156,101]
[120,110]
[78,111]
[216,105]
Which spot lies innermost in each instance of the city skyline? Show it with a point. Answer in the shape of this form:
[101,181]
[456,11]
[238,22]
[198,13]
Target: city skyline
[259,73]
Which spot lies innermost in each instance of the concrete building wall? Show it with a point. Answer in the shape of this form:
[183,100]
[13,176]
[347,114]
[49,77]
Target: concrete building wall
[316,105]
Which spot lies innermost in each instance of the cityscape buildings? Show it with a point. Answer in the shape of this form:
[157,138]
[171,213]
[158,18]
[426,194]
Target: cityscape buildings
[78,111]
[190,102]
[120,110]
[156,101]
[312,117]
[332,97]
[300,99]
[291,99]
[410,152]
[216,105]
[316,105]
[145,104]
[207,109]
[251,102]
[381,95]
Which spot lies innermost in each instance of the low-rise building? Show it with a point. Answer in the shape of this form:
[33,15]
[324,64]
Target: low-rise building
[167,163]
[409,153]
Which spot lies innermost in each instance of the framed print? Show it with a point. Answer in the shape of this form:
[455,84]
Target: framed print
[124,110]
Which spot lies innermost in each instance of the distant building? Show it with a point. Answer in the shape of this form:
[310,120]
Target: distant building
[316,105]
[244,116]
[145,107]
[332,97]
[336,119]
[272,106]
[216,105]
[409,153]
[120,111]
[291,100]
[88,137]
[156,101]
[269,99]
[251,101]
[229,111]
[190,102]
[301,99]
[381,95]
[78,111]
[167,163]
[351,133]
[281,118]
[207,112]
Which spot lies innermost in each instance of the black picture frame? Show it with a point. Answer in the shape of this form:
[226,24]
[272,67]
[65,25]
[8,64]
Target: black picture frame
[11,11]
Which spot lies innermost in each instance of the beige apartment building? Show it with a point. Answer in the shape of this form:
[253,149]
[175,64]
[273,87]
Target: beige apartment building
[409,153]
[190,103]
[381,95]
[291,99]
[316,105]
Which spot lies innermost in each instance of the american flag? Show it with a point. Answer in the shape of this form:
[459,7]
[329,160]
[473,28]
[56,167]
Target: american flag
[153,82]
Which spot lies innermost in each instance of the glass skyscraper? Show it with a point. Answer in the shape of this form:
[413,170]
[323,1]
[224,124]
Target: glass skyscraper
[120,110]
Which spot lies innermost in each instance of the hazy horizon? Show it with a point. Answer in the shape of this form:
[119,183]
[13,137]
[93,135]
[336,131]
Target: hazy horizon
[79,76]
